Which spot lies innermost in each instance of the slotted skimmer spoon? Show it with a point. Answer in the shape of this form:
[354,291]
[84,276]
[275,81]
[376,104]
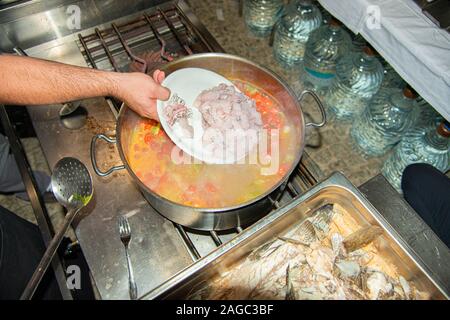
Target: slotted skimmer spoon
[72,187]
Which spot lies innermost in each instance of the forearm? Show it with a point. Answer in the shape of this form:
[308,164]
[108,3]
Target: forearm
[29,81]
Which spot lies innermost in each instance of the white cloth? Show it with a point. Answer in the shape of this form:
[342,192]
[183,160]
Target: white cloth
[415,47]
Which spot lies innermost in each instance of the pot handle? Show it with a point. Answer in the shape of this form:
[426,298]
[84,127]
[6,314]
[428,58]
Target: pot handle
[321,108]
[94,159]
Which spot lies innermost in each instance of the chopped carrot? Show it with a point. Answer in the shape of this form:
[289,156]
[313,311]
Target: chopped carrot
[148,138]
[149,124]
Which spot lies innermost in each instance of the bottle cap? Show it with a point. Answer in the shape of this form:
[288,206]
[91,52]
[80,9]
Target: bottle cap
[444,129]
[410,93]
[335,22]
[369,51]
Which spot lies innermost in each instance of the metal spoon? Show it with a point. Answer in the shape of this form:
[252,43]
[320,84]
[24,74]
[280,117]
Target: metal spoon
[69,108]
[72,187]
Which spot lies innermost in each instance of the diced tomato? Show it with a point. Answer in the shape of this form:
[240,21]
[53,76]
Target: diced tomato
[165,181]
[262,101]
[150,181]
[167,148]
[154,145]
[210,187]
[149,178]
[185,197]
[149,124]
[161,155]
[162,134]
[272,120]
[158,170]
[148,138]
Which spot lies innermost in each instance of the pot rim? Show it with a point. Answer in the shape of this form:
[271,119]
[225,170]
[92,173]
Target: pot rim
[288,174]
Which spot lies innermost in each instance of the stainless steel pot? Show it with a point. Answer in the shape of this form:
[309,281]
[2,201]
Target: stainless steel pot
[231,67]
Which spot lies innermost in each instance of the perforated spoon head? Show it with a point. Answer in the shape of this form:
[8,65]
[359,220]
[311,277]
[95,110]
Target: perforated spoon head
[72,183]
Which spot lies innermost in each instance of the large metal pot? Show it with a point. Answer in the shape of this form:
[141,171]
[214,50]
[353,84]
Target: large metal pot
[231,67]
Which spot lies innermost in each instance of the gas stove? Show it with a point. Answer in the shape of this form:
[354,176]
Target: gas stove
[169,30]
[167,33]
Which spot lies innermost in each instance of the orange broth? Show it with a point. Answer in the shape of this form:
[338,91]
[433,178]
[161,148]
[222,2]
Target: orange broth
[203,185]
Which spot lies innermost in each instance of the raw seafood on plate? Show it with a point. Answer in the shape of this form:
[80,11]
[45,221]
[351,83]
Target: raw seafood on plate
[176,111]
[227,113]
[230,121]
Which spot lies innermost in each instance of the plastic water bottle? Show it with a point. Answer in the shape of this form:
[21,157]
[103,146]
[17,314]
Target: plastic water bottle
[358,43]
[387,117]
[324,48]
[261,15]
[326,16]
[358,78]
[432,147]
[425,115]
[292,31]
[391,78]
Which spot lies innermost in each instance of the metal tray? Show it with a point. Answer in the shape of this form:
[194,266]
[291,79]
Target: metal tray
[335,190]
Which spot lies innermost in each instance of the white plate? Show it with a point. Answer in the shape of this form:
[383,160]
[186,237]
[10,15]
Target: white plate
[187,84]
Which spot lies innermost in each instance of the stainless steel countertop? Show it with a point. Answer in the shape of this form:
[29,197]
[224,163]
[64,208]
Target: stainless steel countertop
[156,249]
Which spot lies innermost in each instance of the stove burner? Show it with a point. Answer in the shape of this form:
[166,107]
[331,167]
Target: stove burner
[75,119]
[153,60]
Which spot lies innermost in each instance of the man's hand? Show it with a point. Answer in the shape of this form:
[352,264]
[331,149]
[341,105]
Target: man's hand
[140,92]
[29,81]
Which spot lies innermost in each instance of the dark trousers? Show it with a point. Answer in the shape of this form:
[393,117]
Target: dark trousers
[427,190]
[21,248]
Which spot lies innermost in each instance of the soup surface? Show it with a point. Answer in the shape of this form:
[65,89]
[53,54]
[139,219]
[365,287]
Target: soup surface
[176,176]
